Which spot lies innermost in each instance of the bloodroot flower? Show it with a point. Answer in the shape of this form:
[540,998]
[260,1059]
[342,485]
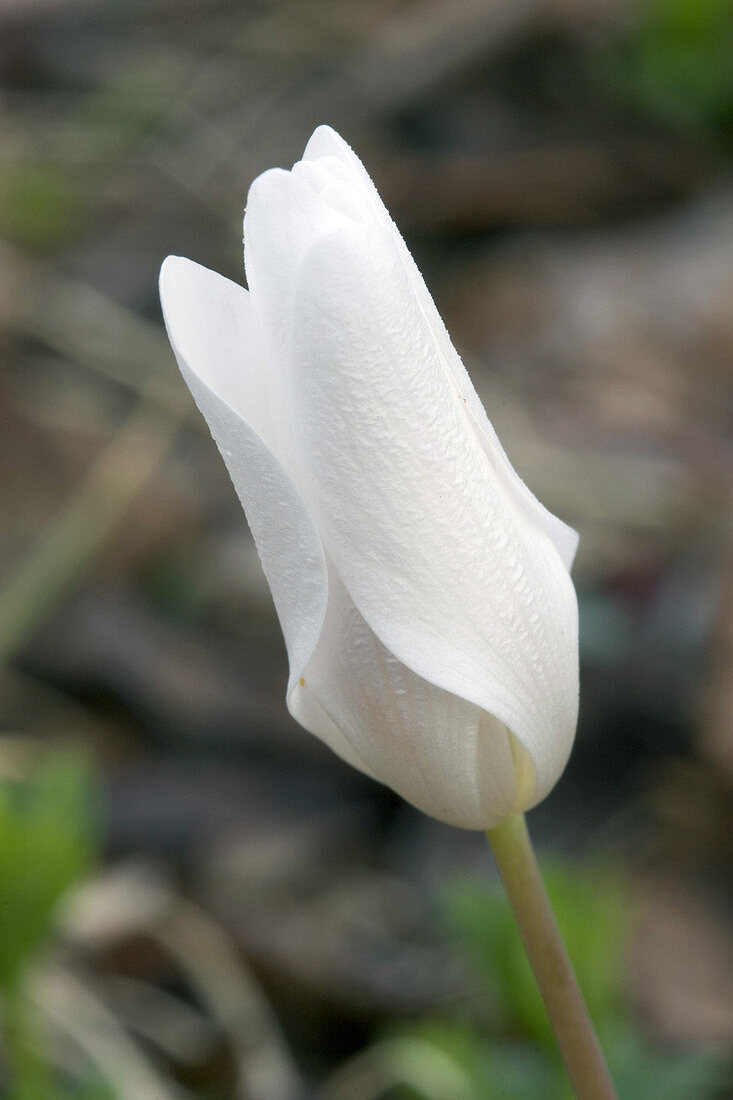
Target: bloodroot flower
[424,593]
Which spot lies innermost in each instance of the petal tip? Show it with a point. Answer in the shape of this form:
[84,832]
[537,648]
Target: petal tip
[266,181]
[325,141]
[324,130]
[171,270]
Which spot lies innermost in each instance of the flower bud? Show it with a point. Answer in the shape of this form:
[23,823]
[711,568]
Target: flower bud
[423,591]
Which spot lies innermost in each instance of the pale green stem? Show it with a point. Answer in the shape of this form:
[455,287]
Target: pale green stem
[564,1002]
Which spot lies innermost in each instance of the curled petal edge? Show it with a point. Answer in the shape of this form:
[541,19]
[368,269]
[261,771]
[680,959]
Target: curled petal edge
[295,565]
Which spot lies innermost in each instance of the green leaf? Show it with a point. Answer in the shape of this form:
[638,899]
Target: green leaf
[47,844]
[513,1071]
[40,207]
[675,62]
[642,1072]
[591,908]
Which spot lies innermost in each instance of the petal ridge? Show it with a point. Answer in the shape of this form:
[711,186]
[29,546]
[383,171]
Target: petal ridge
[326,142]
[376,474]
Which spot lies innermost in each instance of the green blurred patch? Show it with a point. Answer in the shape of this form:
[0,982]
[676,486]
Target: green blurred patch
[592,911]
[506,1047]
[675,63]
[40,206]
[482,1066]
[48,844]
[127,108]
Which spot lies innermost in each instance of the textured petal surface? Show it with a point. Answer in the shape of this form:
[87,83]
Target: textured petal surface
[285,215]
[423,591]
[441,753]
[443,563]
[209,327]
[329,147]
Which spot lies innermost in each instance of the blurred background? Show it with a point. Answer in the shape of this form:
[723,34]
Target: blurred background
[196,898]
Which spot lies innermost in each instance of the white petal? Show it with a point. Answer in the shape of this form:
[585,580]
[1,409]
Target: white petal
[285,216]
[441,753]
[422,589]
[337,666]
[328,147]
[442,560]
[335,187]
[210,319]
[325,144]
[207,318]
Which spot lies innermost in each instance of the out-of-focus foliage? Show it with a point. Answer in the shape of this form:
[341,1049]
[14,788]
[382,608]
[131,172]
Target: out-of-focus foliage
[47,845]
[498,1043]
[505,1046]
[39,206]
[676,63]
[592,910]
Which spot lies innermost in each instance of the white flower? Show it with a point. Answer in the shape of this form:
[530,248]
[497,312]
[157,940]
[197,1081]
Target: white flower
[423,591]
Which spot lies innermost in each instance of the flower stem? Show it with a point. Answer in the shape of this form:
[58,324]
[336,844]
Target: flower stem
[558,985]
